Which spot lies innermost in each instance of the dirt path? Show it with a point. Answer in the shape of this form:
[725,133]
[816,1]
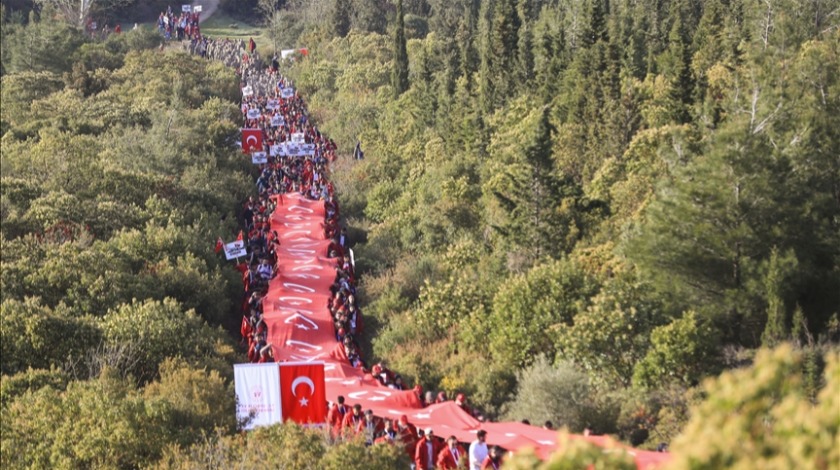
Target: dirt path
[208,7]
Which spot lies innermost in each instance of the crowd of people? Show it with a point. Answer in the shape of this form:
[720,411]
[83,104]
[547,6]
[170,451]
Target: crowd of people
[184,25]
[309,176]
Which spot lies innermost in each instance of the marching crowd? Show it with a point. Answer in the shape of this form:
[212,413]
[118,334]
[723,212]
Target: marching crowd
[309,176]
[184,25]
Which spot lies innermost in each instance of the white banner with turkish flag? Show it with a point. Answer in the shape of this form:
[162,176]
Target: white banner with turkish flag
[303,392]
[252,140]
[257,394]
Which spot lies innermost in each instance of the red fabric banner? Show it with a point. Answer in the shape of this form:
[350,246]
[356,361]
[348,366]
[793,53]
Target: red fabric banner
[303,393]
[301,331]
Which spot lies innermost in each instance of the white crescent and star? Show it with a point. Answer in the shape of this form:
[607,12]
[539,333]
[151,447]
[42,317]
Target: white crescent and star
[248,141]
[303,380]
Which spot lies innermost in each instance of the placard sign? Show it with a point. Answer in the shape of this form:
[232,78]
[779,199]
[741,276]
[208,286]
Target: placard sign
[292,149]
[287,93]
[307,150]
[197,9]
[277,120]
[272,104]
[259,158]
[278,150]
[254,113]
[186,8]
[248,91]
[235,249]
[298,138]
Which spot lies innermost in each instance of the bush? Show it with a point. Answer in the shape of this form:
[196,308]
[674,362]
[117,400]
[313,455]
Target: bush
[552,392]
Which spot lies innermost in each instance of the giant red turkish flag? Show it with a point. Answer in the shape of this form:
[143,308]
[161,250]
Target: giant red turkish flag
[303,393]
[252,140]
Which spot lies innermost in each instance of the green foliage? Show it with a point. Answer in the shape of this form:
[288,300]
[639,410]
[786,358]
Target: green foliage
[158,330]
[552,392]
[610,336]
[761,418]
[37,337]
[341,16]
[12,386]
[529,310]
[289,446]
[681,352]
[399,73]
[97,424]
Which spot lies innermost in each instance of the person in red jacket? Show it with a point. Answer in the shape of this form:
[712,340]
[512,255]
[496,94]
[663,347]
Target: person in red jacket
[426,451]
[453,456]
[389,435]
[370,427]
[408,435]
[352,420]
[336,414]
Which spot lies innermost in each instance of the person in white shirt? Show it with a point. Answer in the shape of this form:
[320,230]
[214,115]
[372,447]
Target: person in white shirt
[478,450]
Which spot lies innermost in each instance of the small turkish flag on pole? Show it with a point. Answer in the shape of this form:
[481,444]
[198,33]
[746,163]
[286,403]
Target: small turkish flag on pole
[303,392]
[252,140]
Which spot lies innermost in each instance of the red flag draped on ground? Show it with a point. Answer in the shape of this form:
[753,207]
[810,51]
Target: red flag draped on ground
[303,392]
[252,140]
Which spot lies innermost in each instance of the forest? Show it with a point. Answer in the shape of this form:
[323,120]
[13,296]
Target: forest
[622,216]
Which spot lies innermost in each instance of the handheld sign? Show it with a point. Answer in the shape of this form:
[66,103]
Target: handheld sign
[292,149]
[248,91]
[272,104]
[259,158]
[298,138]
[186,8]
[254,114]
[277,120]
[235,249]
[197,9]
[278,150]
[287,93]
[307,150]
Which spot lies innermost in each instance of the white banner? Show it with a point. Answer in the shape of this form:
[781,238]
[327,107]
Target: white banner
[292,149]
[259,158]
[248,91]
[253,114]
[186,8]
[272,104]
[286,53]
[277,150]
[197,8]
[307,150]
[257,394]
[235,249]
[287,92]
[277,120]
[298,138]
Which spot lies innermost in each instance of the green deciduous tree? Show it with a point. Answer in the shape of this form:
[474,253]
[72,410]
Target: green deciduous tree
[761,417]
[681,352]
[528,310]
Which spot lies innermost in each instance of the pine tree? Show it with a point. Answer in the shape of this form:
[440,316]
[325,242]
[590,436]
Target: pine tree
[399,72]
[525,54]
[676,66]
[341,15]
